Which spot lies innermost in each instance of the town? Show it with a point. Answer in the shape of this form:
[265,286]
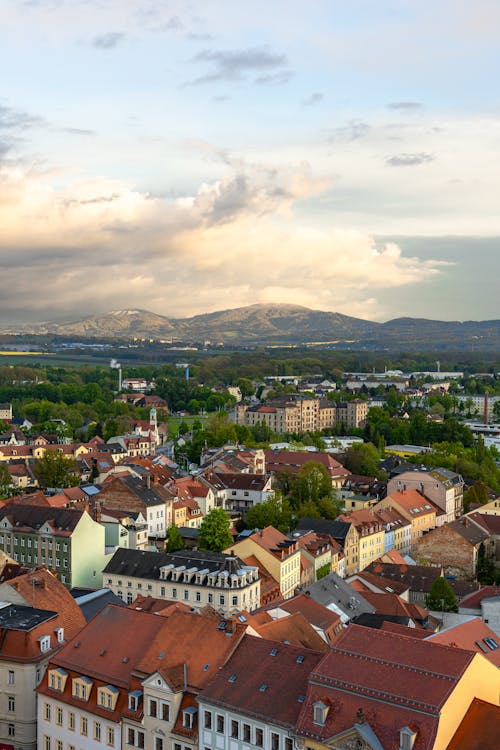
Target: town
[283,562]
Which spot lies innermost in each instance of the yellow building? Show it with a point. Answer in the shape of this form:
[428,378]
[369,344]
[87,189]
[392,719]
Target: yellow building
[276,552]
[414,507]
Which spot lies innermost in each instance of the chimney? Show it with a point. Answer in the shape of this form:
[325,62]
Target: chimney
[148,481]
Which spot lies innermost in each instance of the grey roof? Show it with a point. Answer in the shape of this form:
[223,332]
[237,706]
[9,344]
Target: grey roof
[336,529]
[91,601]
[27,518]
[333,592]
[469,531]
[17,617]
[142,564]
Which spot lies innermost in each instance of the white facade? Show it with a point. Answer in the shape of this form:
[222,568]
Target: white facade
[220,729]
[64,727]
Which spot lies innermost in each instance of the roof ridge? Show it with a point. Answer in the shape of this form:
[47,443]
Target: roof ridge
[397,665]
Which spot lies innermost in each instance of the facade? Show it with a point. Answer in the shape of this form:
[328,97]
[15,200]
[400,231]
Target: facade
[300,413]
[132,494]
[276,552]
[344,533]
[454,546]
[413,506]
[444,488]
[192,577]
[29,637]
[65,540]
[371,535]
[243,491]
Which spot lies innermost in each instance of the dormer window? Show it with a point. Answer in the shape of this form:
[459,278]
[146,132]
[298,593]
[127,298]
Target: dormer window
[407,737]
[57,679]
[107,697]
[134,698]
[81,688]
[44,643]
[60,634]
[320,712]
[188,716]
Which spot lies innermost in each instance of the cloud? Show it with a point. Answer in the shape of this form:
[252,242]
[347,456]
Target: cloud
[237,240]
[350,132]
[233,65]
[312,99]
[409,160]
[406,106]
[275,79]
[16,119]
[107,41]
[79,131]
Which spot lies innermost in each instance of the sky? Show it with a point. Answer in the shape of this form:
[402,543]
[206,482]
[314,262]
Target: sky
[184,157]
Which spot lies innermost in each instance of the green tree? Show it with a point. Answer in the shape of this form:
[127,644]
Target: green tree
[55,470]
[4,481]
[441,597]
[312,483]
[362,458]
[174,541]
[214,531]
[273,512]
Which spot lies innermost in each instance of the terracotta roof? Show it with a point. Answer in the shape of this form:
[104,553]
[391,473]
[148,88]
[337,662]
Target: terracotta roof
[315,613]
[294,460]
[413,502]
[385,680]
[473,601]
[488,521]
[394,627]
[472,635]
[478,729]
[273,541]
[265,680]
[384,585]
[293,629]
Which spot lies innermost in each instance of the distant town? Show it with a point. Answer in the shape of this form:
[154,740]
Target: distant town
[199,555]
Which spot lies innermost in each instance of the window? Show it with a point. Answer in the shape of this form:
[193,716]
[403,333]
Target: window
[84,726]
[71,721]
[220,724]
[46,711]
[59,745]
[235,601]
[46,743]
[45,643]
[198,596]
[188,717]
[133,700]
[222,600]
[275,741]
[259,737]
[59,717]
[97,731]
[11,730]
[186,594]
[207,720]
[153,708]
[11,703]
[174,593]
[210,598]
[140,739]
[11,677]
[110,736]
[246,733]
[158,743]
[165,711]
[288,743]
[162,591]
[235,729]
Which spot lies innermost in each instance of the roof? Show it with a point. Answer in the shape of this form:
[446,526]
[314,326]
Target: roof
[294,629]
[470,532]
[256,482]
[294,460]
[142,564]
[384,585]
[478,729]
[413,502]
[385,680]
[29,518]
[317,614]
[473,600]
[335,594]
[273,541]
[265,680]
[92,602]
[338,530]
[473,635]
[488,521]
[416,577]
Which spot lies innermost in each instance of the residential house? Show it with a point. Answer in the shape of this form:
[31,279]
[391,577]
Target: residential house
[339,597]
[443,487]
[65,540]
[256,698]
[194,577]
[132,494]
[293,461]
[454,546]
[38,616]
[380,690]
[371,535]
[279,554]
[413,506]
[344,533]
[243,491]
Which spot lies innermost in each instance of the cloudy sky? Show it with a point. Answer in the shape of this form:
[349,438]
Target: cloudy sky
[185,156]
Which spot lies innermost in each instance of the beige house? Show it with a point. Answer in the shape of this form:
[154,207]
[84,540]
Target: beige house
[413,506]
[444,488]
[276,552]
[371,535]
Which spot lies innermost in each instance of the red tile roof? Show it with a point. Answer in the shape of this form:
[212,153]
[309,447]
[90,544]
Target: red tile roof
[264,679]
[470,635]
[293,629]
[473,601]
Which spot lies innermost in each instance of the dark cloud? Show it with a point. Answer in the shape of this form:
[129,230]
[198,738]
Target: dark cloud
[409,160]
[232,65]
[350,132]
[406,106]
[110,40]
[315,98]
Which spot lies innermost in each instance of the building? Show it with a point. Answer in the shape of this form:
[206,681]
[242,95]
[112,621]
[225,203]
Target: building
[371,535]
[344,533]
[133,494]
[383,691]
[293,461]
[38,616]
[256,698]
[5,412]
[413,506]
[196,578]
[243,491]
[443,487]
[454,546]
[65,540]
[276,552]
[110,688]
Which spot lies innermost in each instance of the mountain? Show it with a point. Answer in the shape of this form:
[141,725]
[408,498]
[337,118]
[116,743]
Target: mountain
[277,324]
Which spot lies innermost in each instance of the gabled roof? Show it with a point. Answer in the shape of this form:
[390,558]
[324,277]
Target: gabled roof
[473,635]
[294,629]
[335,594]
[142,564]
[337,529]
[413,502]
[473,600]
[28,518]
[264,680]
